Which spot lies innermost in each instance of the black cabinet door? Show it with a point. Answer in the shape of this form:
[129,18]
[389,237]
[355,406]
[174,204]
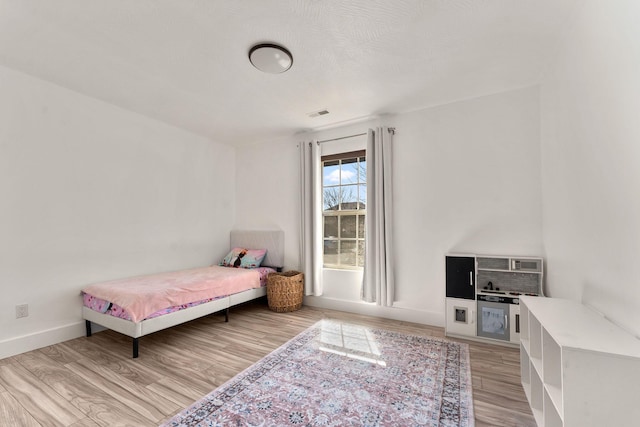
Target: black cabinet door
[461,277]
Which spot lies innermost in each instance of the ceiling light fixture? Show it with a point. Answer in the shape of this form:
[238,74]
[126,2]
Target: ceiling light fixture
[270,58]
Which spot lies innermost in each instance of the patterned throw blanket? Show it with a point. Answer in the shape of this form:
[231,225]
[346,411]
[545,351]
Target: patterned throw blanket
[337,374]
[142,296]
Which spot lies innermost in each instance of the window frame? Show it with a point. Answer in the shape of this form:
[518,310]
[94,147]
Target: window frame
[340,213]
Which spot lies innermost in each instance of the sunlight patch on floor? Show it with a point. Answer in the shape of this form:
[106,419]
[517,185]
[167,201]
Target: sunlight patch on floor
[353,341]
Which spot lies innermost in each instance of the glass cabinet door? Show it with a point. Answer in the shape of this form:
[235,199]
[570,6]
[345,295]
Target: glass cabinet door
[493,320]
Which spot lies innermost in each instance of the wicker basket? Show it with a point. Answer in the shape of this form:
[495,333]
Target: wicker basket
[285,290]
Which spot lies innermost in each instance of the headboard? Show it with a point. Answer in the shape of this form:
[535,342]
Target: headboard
[271,240]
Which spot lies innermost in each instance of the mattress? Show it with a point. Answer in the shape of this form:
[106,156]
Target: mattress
[146,297]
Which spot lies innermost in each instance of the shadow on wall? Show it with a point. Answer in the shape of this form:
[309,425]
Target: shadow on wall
[618,308]
[505,236]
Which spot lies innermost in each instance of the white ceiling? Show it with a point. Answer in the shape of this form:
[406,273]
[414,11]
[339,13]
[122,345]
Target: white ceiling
[184,62]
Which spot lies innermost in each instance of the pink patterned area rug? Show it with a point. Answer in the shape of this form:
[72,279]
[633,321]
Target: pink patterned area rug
[340,374]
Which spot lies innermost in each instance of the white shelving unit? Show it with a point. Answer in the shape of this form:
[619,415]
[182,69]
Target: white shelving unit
[577,368]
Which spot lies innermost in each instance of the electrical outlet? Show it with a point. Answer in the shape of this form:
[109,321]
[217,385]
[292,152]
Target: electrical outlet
[22,310]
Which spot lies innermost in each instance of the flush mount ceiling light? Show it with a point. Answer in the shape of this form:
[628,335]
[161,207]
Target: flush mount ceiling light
[270,58]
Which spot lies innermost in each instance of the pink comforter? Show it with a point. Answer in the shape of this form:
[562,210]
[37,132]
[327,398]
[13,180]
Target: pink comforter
[144,295]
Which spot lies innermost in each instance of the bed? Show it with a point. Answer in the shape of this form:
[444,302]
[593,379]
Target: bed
[147,318]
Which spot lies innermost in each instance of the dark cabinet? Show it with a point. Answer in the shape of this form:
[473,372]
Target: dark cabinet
[461,277]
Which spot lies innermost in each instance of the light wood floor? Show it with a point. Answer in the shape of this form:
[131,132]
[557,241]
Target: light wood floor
[95,382]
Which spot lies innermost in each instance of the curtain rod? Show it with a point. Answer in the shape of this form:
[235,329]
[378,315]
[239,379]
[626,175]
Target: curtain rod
[342,137]
[392,130]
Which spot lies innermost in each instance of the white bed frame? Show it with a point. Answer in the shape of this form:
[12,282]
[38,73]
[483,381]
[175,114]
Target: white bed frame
[272,241]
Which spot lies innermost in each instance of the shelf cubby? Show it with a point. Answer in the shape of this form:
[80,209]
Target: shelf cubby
[535,343]
[537,396]
[552,369]
[551,417]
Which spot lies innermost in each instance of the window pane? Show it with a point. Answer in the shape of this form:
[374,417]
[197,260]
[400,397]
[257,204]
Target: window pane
[362,171]
[362,196]
[349,197]
[331,198]
[331,173]
[360,253]
[348,226]
[344,201]
[331,252]
[348,253]
[331,226]
[349,174]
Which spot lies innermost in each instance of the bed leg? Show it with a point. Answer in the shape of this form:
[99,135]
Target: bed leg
[87,324]
[226,315]
[135,348]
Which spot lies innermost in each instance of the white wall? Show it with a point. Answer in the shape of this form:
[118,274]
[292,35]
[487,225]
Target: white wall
[467,179]
[591,161]
[91,192]
[268,193]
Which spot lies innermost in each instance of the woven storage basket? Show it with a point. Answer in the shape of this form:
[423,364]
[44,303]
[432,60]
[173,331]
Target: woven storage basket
[285,290]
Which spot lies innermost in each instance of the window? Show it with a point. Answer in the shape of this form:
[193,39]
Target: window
[344,201]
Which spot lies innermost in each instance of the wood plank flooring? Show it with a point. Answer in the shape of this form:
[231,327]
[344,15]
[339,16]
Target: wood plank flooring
[95,382]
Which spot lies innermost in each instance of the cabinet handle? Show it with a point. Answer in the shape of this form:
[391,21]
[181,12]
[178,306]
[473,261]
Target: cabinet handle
[506,322]
[471,278]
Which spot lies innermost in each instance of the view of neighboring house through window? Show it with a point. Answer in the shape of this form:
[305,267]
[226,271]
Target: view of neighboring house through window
[344,199]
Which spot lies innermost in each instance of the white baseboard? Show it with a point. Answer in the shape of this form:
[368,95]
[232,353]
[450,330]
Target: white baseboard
[403,314]
[22,344]
[34,341]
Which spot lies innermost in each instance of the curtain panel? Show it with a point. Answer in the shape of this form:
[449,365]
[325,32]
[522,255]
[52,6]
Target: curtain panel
[378,281]
[311,249]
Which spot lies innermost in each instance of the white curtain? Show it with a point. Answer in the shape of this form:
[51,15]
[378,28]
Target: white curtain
[378,281]
[311,248]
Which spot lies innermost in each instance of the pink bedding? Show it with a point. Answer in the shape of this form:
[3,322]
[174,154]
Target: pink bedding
[143,297]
